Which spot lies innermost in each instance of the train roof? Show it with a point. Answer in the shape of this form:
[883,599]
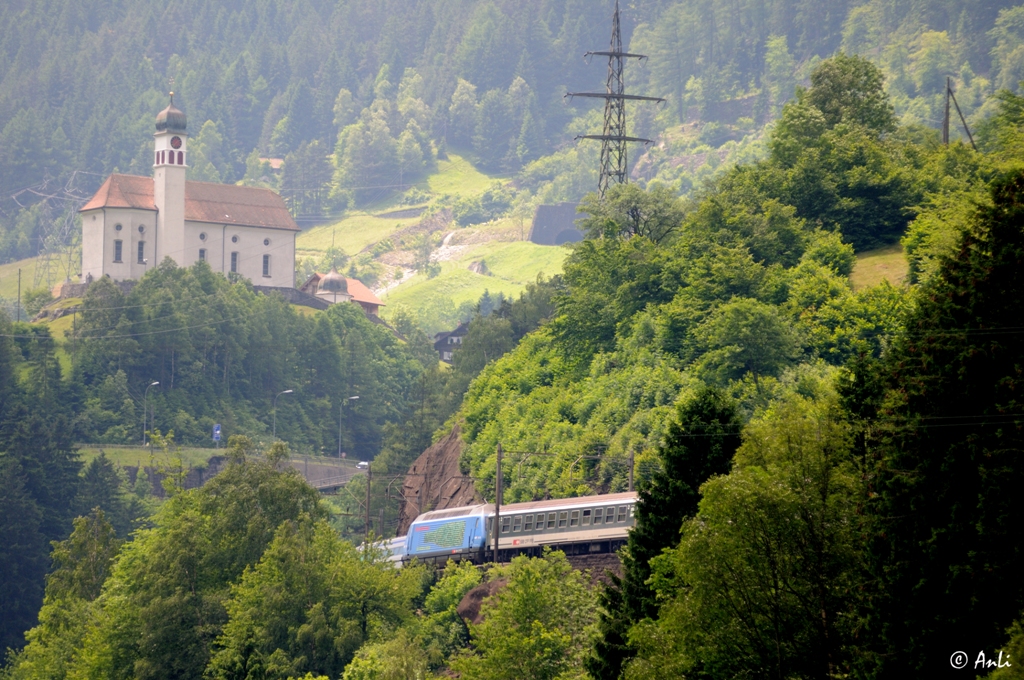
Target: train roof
[556,503]
[449,513]
[514,508]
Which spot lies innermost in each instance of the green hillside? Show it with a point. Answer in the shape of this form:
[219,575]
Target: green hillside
[453,178]
[9,277]
[511,266]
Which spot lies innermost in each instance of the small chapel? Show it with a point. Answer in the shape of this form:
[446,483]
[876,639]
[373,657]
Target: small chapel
[133,223]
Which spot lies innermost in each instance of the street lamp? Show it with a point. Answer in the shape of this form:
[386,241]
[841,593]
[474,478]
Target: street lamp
[275,410]
[145,410]
[341,412]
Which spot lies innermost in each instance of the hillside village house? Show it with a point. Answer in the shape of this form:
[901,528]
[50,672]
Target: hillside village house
[333,287]
[133,223]
[446,342]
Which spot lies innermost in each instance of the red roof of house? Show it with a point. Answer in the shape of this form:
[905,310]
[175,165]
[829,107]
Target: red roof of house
[358,291]
[361,293]
[204,202]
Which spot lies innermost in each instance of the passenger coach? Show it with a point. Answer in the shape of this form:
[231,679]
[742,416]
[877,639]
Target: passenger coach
[577,526]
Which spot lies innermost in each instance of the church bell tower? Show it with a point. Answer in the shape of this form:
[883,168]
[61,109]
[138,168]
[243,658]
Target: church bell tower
[169,163]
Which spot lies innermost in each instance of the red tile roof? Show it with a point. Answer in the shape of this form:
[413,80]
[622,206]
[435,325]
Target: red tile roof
[123,191]
[358,291]
[204,202]
[361,293]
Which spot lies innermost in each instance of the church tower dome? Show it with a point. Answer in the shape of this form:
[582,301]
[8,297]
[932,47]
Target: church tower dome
[334,283]
[171,119]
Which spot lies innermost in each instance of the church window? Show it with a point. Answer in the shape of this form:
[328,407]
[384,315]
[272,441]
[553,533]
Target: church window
[142,251]
[266,241]
[117,250]
[142,229]
[202,237]
[266,265]
[117,227]
[234,239]
[202,254]
[181,158]
[234,262]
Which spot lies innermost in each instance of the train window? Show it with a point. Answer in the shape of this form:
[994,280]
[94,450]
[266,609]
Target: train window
[551,520]
[517,523]
[598,512]
[609,515]
[586,518]
[574,518]
[528,525]
[622,514]
[632,511]
[506,522]
[490,523]
[563,519]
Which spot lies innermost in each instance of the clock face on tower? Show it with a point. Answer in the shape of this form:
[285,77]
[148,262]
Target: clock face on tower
[175,142]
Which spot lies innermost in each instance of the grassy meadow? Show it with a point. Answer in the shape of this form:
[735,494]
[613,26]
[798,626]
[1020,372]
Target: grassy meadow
[874,266]
[511,265]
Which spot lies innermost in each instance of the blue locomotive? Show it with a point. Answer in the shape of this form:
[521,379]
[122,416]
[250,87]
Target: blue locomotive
[584,525]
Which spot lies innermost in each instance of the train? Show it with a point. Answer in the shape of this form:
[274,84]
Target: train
[577,526]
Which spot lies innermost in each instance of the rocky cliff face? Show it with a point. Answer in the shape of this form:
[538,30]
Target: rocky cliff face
[434,481]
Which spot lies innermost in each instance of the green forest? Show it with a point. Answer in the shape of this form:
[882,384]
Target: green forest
[361,97]
[828,474]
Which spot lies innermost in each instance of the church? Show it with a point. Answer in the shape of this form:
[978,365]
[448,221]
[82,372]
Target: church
[133,223]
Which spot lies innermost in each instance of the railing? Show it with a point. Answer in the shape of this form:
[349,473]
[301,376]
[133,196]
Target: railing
[331,482]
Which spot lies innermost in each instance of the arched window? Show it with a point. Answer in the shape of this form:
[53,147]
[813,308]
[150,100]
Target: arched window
[181,158]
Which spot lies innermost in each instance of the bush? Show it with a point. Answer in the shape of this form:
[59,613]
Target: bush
[35,300]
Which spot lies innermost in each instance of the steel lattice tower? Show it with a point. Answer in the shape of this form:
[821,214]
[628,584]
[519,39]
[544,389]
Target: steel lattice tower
[613,137]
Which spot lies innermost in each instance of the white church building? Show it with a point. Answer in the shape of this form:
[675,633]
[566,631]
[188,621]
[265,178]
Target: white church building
[133,223]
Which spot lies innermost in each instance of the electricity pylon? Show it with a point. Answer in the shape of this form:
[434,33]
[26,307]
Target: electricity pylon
[613,137]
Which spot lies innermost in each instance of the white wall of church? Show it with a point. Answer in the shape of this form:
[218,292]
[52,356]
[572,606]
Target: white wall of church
[169,197]
[250,244]
[103,228]
[100,234]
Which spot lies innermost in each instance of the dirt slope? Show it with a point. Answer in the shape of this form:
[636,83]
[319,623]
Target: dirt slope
[434,481]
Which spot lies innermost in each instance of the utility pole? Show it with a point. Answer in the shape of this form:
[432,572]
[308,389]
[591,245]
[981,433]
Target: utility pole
[946,118]
[497,504]
[341,416]
[145,409]
[369,479]
[945,115]
[632,455]
[613,137]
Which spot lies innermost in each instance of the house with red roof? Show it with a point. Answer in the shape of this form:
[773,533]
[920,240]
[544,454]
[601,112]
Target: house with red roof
[333,287]
[132,223]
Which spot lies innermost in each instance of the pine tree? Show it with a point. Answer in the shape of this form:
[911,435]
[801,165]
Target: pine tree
[700,444]
[22,555]
[945,511]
